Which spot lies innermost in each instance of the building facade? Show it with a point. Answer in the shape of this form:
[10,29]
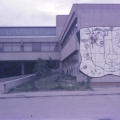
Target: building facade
[85,42]
[20,47]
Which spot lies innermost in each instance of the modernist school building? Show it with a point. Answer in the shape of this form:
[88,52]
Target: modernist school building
[21,46]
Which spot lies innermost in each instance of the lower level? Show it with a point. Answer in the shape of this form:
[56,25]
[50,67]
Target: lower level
[16,68]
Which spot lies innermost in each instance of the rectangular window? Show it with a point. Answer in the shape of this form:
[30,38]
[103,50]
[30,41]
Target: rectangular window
[74,61]
[7,47]
[45,47]
[71,60]
[1,47]
[16,47]
[27,47]
[54,47]
[36,47]
[76,57]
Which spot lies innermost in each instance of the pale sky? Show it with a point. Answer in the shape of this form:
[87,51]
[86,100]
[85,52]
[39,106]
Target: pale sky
[37,12]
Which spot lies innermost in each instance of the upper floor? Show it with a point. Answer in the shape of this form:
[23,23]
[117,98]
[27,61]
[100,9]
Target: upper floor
[37,40]
[28,43]
[82,16]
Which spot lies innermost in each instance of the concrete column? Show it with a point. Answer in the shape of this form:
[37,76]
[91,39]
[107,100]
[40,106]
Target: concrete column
[22,68]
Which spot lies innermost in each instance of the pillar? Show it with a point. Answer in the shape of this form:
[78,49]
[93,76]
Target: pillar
[22,68]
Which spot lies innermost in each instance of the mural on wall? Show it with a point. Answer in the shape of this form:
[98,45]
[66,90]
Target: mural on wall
[100,51]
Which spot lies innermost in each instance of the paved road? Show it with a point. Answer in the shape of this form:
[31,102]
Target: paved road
[101,104]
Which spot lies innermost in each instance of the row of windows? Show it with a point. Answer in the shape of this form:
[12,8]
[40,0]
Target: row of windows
[73,29]
[25,31]
[28,47]
[71,60]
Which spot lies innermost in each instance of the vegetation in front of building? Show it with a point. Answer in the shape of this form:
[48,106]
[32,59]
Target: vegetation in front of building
[54,82]
[48,78]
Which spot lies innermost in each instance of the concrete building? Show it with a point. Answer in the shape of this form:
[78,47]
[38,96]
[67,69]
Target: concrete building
[86,25]
[20,47]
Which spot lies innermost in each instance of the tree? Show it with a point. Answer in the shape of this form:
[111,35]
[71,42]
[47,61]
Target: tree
[41,67]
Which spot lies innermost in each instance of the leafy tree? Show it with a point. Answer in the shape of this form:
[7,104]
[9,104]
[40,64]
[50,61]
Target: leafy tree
[41,67]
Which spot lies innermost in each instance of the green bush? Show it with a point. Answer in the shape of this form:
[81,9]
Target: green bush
[51,82]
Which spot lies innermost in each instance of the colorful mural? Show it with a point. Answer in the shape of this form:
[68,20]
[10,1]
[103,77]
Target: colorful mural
[100,51]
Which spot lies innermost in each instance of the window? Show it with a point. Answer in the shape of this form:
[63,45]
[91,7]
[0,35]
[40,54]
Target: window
[1,47]
[27,47]
[54,47]
[7,47]
[76,57]
[16,47]
[44,46]
[36,47]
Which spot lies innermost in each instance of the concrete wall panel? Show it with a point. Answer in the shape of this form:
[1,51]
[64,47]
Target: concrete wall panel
[29,39]
[98,15]
[29,56]
[16,82]
[69,48]
[60,22]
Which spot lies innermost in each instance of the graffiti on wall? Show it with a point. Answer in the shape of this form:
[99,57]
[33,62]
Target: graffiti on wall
[100,51]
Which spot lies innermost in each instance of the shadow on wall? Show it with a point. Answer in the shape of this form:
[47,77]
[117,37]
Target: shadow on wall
[80,77]
[74,70]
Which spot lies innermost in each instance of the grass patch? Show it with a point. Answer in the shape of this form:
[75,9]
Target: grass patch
[53,82]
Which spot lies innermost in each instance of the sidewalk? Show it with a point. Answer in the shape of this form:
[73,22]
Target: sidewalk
[100,104]
[94,92]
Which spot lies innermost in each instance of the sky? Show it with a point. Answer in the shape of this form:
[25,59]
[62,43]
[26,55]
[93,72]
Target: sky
[37,12]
